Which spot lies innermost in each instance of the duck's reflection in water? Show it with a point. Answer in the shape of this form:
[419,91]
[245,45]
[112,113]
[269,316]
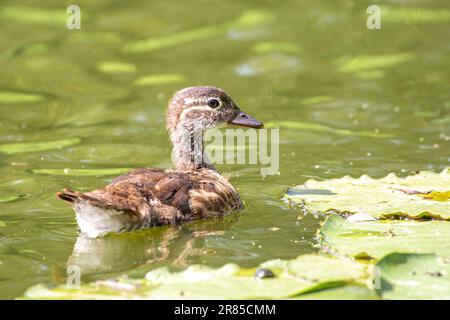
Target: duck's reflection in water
[141,251]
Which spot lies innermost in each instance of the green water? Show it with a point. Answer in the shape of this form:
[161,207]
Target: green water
[349,101]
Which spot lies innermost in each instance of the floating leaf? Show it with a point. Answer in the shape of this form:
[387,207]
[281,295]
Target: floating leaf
[414,15]
[18,97]
[29,14]
[370,62]
[12,198]
[115,67]
[414,276]
[347,292]
[2,224]
[276,47]
[21,147]
[307,273]
[159,79]
[82,172]
[390,196]
[375,239]
[315,127]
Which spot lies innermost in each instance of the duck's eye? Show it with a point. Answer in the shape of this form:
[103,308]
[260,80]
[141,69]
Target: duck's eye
[213,103]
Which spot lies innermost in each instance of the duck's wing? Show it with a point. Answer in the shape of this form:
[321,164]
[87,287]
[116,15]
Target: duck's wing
[147,194]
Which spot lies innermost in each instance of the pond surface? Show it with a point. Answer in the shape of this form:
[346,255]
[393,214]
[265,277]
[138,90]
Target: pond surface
[77,104]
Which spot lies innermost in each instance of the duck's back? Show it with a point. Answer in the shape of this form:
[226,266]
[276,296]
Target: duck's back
[151,197]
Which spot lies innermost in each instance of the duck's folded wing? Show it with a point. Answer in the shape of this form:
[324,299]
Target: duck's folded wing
[150,194]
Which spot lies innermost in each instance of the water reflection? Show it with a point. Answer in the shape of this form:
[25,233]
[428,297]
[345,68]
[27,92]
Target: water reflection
[146,248]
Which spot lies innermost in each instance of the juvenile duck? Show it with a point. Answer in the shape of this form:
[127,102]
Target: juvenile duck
[192,190]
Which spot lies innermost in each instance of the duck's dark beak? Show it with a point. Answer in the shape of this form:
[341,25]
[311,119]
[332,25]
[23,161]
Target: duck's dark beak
[245,120]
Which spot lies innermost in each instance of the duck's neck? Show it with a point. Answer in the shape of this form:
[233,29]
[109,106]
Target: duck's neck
[189,150]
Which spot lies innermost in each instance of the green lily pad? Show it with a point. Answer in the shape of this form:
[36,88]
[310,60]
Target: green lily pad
[376,239]
[315,127]
[307,273]
[82,172]
[347,292]
[159,79]
[12,198]
[21,147]
[414,276]
[9,97]
[419,196]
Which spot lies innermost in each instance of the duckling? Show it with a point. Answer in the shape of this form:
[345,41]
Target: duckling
[192,190]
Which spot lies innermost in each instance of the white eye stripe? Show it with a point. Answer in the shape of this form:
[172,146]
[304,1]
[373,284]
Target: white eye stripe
[201,101]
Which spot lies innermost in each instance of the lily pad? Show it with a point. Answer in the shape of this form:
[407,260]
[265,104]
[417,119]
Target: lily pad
[376,239]
[21,147]
[315,127]
[305,274]
[419,196]
[347,292]
[82,172]
[414,276]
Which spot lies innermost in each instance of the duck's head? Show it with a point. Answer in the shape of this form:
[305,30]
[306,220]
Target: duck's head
[203,108]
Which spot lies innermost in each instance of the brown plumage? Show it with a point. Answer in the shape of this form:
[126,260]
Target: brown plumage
[153,197]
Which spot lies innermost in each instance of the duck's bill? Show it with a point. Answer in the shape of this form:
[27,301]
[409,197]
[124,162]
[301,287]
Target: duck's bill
[245,120]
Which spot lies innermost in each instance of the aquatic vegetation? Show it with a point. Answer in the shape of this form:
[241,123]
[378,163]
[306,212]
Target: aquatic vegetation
[159,79]
[376,239]
[35,146]
[390,196]
[305,274]
[414,276]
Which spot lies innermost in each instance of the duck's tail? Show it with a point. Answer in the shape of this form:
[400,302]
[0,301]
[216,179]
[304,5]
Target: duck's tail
[95,217]
[75,196]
